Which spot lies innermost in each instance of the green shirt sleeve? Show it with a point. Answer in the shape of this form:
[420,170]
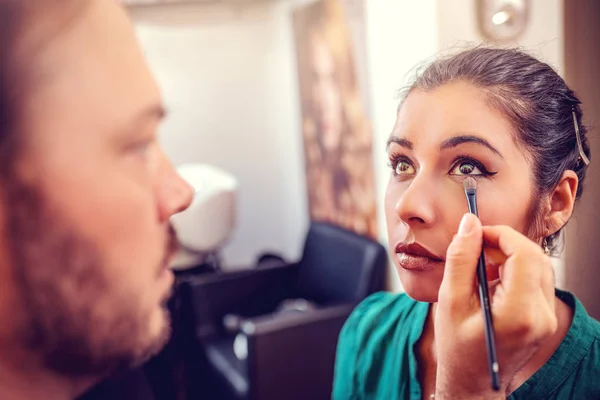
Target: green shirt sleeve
[345,361]
[345,383]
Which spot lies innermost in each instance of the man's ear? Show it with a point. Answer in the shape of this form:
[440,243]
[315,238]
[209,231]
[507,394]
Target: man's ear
[562,201]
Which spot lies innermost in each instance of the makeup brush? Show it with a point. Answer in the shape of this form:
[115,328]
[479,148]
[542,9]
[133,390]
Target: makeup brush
[470,185]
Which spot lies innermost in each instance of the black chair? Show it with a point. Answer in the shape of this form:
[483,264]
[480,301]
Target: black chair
[290,350]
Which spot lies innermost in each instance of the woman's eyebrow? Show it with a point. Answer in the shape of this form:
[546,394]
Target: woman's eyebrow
[400,142]
[458,140]
[448,143]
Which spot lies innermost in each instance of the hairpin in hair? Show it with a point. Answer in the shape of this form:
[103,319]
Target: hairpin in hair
[582,157]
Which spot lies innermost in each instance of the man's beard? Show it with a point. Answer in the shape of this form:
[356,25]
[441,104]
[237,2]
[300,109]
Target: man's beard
[62,284]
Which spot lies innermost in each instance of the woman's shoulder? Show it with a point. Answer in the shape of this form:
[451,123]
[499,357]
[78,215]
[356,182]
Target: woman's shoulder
[572,371]
[382,313]
[587,330]
[582,322]
[375,346]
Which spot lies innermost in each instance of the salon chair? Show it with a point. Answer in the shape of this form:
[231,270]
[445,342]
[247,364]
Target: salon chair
[271,333]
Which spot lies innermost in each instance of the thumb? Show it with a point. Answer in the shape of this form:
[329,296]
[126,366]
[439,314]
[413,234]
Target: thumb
[462,258]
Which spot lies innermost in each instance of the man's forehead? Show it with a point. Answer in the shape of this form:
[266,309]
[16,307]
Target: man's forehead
[95,68]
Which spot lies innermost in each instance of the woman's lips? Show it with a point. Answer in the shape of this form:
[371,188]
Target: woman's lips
[415,257]
[416,263]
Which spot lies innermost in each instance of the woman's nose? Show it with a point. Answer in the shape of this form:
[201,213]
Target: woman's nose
[416,205]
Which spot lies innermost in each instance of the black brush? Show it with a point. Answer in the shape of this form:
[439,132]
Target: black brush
[470,185]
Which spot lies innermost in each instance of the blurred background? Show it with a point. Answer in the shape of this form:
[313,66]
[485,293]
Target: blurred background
[250,91]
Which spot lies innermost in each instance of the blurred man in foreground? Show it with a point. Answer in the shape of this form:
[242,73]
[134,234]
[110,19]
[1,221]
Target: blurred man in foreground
[86,194]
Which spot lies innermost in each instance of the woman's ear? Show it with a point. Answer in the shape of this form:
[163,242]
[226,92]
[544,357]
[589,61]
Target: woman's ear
[562,201]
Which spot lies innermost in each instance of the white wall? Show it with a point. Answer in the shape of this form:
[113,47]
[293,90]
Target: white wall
[228,78]
[543,36]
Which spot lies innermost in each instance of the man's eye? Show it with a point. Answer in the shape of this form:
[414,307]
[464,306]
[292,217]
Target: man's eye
[140,149]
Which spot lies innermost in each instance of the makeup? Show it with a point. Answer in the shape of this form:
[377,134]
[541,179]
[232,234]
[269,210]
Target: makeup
[416,258]
[470,185]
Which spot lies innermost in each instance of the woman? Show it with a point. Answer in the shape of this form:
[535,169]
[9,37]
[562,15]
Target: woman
[510,122]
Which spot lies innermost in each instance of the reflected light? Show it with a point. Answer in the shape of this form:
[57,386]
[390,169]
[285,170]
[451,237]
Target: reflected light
[501,17]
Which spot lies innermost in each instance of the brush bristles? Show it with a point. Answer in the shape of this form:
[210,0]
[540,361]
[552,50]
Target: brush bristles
[470,184]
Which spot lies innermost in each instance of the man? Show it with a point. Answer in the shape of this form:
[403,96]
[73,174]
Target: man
[86,194]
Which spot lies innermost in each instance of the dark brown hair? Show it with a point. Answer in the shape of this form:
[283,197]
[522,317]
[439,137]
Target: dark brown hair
[534,98]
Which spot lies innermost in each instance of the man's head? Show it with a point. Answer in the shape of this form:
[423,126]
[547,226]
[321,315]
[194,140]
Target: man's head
[85,191]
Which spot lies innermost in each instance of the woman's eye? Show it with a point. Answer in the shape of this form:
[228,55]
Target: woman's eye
[403,168]
[466,168]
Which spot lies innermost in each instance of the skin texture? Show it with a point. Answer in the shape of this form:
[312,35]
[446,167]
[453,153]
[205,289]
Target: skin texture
[425,202]
[85,238]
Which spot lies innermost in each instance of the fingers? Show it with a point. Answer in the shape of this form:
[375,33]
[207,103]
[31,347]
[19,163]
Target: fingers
[461,259]
[527,284]
[506,239]
[526,267]
[522,302]
[494,259]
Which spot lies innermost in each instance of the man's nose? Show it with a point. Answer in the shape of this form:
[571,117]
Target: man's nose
[175,194]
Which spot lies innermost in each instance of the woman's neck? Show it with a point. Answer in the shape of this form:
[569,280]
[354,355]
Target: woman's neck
[428,360]
[426,354]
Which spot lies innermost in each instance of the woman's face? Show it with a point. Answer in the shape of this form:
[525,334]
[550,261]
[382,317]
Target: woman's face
[439,138]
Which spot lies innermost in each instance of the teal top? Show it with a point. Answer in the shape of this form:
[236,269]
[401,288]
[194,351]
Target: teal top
[376,354]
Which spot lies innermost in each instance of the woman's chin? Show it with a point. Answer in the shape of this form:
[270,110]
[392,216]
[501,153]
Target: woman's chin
[423,290]
[422,296]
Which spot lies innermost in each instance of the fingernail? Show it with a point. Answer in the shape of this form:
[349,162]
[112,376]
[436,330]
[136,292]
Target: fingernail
[467,223]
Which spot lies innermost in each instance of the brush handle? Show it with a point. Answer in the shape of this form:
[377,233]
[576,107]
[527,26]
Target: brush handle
[484,298]
[490,339]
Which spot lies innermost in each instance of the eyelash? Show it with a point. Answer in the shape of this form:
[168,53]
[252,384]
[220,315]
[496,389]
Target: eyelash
[465,158]
[395,158]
